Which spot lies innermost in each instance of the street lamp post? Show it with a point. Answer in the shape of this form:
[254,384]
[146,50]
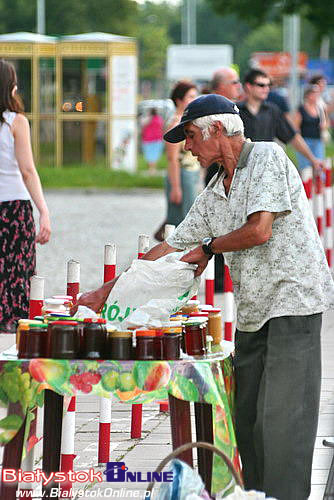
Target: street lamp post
[189,22]
[40,17]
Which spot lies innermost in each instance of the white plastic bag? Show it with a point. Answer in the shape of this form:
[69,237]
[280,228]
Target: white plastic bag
[240,494]
[149,291]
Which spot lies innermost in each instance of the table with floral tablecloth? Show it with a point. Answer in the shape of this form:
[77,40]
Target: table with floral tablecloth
[204,380]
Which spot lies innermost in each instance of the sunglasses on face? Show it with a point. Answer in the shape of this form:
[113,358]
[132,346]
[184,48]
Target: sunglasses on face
[262,85]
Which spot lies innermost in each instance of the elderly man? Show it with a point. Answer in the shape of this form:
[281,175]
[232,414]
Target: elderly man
[255,212]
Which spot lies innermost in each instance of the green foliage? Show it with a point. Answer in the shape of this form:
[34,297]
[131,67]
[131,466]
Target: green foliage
[153,42]
[267,37]
[71,16]
[257,12]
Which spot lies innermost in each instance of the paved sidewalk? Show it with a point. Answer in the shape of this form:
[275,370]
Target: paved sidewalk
[144,454]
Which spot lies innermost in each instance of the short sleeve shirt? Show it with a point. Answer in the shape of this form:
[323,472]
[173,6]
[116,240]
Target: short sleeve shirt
[268,124]
[287,275]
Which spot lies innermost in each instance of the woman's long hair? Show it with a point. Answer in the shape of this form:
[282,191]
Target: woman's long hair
[8,80]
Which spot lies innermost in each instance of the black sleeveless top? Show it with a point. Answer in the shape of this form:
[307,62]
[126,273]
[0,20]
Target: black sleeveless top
[310,126]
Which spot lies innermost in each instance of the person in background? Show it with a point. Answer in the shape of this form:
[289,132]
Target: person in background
[152,143]
[264,121]
[277,95]
[183,170]
[325,99]
[225,82]
[309,120]
[19,182]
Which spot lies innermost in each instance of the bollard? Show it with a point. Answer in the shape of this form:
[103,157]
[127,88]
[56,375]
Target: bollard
[328,202]
[210,282]
[67,447]
[137,409]
[228,304]
[109,262]
[143,245]
[73,279]
[36,296]
[35,309]
[319,205]
[105,403]
[68,427]
[307,179]
[169,230]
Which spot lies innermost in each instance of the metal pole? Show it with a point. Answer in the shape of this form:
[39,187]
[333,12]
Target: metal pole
[188,25]
[41,17]
[293,39]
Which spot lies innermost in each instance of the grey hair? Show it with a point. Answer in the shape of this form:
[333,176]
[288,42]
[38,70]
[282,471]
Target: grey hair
[232,123]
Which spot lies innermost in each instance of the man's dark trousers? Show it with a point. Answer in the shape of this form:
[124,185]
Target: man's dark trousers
[278,377]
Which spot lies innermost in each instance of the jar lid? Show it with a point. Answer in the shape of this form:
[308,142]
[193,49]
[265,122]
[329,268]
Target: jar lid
[119,334]
[172,324]
[24,327]
[37,318]
[95,320]
[38,325]
[53,302]
[192,303]
[194,321]
[215,310]
[199,314]
[146,333]
[58,314]
[27,321]
[63,297]
[64,323]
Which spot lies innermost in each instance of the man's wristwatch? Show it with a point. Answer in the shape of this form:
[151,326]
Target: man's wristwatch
[206,247]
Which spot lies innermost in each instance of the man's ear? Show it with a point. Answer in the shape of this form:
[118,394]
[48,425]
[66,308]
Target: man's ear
[218,129]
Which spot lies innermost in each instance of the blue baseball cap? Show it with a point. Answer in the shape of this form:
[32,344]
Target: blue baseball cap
[205,105]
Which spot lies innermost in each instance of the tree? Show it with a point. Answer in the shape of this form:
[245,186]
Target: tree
[256,12]
[64,17]
[153,42]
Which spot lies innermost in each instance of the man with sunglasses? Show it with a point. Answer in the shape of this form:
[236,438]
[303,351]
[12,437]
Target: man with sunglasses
[264,121]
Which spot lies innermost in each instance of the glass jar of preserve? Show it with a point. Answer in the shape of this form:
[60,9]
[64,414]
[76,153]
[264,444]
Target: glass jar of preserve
[215,325]
[171,345]
[119,345]
[201,317]
[22,322]
[33,341]
[64,340]
[93,339]
[146,345]
[195,342]
[21,335]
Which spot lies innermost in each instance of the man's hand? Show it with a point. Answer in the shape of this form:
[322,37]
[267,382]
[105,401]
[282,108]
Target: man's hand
[94,299]
[196,256]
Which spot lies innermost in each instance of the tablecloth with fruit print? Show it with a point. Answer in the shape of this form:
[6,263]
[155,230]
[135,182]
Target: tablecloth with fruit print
[22,384]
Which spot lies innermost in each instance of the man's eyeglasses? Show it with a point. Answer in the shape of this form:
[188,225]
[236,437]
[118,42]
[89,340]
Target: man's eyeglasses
[262,85]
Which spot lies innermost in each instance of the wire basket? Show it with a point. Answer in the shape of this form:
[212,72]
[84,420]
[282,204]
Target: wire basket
[200,444]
